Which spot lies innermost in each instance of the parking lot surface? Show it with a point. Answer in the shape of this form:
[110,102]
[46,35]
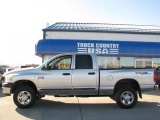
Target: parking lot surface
[78,108]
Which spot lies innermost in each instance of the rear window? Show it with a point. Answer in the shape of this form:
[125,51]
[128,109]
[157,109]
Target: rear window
[84,62]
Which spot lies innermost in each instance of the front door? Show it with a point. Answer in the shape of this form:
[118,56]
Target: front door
[57,74]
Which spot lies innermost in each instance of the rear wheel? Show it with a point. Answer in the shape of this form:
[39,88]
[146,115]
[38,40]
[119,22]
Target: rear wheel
[126,97]
[24,96]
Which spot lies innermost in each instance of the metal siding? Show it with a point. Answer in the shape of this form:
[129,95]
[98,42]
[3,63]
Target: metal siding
[102,36]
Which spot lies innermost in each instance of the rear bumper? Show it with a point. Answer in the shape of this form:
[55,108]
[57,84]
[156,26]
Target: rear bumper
[7,88]
[157,82]
[157,85]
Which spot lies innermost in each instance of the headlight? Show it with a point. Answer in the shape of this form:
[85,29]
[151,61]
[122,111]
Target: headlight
[8,78]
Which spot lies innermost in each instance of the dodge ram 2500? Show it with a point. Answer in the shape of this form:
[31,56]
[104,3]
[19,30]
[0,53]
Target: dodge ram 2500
[77,75]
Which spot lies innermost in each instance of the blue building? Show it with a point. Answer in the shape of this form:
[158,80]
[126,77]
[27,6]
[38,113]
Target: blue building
[117,45]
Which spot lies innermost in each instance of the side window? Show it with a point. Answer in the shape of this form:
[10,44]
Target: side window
[60,63]
[84,62]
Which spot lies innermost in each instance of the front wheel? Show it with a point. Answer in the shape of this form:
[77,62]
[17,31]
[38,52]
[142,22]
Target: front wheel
[126,97]
[24,96]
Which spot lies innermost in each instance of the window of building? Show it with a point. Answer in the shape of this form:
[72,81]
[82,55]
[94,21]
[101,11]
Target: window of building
[113,62]
[102,62]
[156,62]
[139,64]
[144,63]
[108,62]
[127,62]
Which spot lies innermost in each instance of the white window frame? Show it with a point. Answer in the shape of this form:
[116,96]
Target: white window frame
[143,61]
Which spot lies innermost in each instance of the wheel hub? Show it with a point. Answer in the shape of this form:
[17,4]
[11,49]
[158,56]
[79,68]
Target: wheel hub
[127,98]
[24,97]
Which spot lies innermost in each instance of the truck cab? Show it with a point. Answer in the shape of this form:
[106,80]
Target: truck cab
[75,74]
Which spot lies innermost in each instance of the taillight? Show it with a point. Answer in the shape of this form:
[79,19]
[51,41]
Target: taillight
[155,76]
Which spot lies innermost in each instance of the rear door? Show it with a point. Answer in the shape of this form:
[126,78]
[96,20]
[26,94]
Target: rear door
[85,76]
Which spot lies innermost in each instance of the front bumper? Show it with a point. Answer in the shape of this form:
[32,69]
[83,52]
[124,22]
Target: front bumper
[1,80]
[7,88]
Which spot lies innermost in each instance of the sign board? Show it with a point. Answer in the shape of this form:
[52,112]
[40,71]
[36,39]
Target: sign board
[99,47]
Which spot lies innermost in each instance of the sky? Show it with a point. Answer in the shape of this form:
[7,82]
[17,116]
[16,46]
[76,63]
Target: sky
[22,21]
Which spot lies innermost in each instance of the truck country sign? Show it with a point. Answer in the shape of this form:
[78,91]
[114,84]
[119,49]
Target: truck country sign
[98,48]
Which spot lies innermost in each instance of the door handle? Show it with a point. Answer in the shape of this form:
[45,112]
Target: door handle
[40,77]
[66,74]
[91,73]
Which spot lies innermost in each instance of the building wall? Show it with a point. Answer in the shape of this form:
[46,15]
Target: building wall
[103,36]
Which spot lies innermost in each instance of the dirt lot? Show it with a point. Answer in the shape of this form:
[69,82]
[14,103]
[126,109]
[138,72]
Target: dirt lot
[77,108]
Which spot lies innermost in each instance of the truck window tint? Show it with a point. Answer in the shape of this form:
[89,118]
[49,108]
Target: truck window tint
[84,62]
[61,63]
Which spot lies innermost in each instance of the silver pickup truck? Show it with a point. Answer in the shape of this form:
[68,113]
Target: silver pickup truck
[77,75]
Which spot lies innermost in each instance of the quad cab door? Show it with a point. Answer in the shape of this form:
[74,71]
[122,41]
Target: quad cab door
[56,74]
[85,75]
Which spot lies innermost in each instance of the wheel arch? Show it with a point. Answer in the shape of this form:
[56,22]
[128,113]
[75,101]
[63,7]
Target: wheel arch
[128,82]
[23,83]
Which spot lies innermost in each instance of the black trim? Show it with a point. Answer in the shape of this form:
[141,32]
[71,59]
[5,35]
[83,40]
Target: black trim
[91,73]
[107,92]
[2,80]
[127,69]
[44,34]
[56,89]
[99,82]
[72,89]
[84,88]
[147,89]
[7,85]
[66,74]
[77,91]
[158,82]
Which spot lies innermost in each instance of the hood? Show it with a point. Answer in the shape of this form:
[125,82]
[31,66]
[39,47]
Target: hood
[20,71]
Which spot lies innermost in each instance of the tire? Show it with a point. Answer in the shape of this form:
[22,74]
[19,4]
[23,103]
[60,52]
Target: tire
[126,97]
[24,97]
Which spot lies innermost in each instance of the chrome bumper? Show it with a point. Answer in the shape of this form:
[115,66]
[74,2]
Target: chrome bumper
[7,88]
